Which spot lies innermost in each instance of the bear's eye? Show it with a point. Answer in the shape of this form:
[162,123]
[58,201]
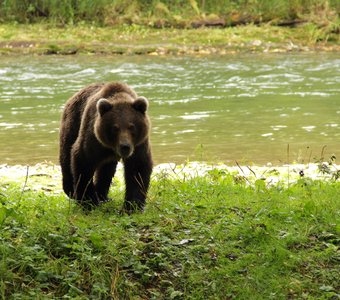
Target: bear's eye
[131,127]
[115,128]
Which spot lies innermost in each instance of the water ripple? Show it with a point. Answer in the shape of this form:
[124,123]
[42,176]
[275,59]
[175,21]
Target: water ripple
[247,104]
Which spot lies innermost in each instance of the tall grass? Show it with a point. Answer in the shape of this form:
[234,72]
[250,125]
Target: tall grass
[178,11]
[201,237]
[59,11]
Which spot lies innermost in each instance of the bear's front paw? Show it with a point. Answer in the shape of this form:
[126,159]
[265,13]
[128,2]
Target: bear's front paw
[132,207]
[88,205]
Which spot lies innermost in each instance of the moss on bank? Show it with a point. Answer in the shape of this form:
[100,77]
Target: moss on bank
[133,40]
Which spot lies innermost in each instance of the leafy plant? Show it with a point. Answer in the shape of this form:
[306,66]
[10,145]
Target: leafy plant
[198,233]
[172,13]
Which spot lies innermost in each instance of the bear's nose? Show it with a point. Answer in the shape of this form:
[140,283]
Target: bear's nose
[125,150]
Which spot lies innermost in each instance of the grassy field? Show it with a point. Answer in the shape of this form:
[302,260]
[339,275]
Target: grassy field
[211,235]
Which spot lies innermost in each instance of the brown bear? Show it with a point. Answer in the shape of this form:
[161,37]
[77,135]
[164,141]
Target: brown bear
[100,125]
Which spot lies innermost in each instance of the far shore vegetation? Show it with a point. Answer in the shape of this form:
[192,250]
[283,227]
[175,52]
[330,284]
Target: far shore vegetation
[168,27]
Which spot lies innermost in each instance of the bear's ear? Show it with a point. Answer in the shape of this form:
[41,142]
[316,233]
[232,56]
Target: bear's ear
[103,106]
[141,104]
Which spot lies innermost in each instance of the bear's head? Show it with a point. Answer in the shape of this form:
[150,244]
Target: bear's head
[122,125]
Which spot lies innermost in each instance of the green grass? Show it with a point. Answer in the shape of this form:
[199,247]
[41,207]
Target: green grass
[135,39]
[167,27]
[200,237]
[167,12]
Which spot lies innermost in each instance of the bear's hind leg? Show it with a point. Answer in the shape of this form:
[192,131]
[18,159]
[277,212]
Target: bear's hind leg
[68,185]
[65,164]
[103,178]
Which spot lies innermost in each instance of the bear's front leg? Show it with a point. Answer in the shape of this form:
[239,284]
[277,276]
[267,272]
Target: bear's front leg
[103,178]
[84,190]
[137,171]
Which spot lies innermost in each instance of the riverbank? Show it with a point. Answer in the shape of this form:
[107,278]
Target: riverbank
[208,232]
[46,177]
[46,39]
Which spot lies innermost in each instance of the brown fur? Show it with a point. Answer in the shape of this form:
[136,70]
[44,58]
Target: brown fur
[102,124]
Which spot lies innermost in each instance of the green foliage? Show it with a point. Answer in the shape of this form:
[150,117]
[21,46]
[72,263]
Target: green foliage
[59,11]
[168,12]
[201,237]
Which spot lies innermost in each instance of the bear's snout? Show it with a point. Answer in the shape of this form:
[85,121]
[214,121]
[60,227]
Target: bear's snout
[125,150]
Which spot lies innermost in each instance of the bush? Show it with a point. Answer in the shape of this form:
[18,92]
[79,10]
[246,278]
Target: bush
[106,12]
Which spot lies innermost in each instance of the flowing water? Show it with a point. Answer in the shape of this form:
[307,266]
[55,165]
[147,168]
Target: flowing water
[245,108]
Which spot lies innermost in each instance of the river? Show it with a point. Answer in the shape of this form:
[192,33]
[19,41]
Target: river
[250,108]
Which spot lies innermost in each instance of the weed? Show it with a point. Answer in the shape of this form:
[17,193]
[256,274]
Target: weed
[169,13]
[202,236]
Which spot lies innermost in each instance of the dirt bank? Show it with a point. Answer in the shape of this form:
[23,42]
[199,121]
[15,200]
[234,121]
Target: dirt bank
[44,39]
[46,177]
